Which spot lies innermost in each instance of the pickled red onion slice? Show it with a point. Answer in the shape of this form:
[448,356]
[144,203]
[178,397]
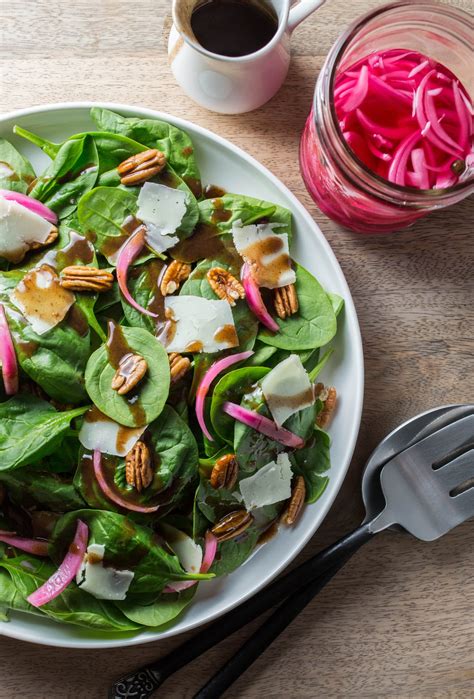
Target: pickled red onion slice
[34,546]
[128,253]
[8,356]
[206,381]
[254,299]
[29,203]
[263,424]
[67,570]
[210,550]
[110,493]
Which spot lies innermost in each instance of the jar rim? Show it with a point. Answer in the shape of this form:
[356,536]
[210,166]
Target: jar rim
[366,176]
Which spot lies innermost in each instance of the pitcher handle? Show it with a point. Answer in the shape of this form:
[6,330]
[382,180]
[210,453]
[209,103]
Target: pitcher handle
[302,10]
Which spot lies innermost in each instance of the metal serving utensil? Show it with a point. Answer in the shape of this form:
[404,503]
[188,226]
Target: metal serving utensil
[300,585]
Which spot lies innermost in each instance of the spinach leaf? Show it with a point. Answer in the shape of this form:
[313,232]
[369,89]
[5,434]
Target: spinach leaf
[73,605]
[16,172]
[232,554]
[231,387]
[253,449]
[143,284]
[245,322]
[72,173]
[30,428]
[315,323]
[101,213]
[153,133]
[31,487]
[56,361]
[215,504]
[127,545]
[224,211]
[337,302]
[143,404]
[262,354]
[312,462]
[166,608]
[175,462]
[10,599]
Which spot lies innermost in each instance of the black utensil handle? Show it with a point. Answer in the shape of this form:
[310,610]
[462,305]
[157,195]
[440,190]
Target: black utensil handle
[154,674]
[264,636]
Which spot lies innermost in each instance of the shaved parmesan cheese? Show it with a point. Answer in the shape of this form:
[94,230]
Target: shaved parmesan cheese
[287,389]
[188,552]
[41,299]
[20,228]
[272,483]
[267,252]
[198,325]
[101,433]
[100,582]
[161,209]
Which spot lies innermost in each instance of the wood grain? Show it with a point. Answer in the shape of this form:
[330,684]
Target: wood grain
[397,622]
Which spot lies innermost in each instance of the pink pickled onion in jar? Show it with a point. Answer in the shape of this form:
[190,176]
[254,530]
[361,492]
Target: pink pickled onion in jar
[406,117]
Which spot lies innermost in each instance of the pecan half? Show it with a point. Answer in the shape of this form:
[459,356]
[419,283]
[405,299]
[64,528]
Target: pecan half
[225,472]
[141,167]
[138,468]
[286,301]
[329,398]
[178,366]
[132,368]
[296,502]
[176,273]
[53,234]
[232,525]
[83,278]
[225,285]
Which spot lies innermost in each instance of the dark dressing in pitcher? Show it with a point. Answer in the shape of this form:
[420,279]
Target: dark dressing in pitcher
[233,27]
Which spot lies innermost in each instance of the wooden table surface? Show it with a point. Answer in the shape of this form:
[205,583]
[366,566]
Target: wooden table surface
[398,620]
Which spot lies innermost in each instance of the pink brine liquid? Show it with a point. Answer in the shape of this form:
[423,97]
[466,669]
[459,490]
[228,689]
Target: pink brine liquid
[408,119]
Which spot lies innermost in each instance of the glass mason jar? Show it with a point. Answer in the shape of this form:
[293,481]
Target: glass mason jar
[340,184]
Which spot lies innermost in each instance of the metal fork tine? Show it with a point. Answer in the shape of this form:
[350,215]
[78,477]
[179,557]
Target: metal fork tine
[457,471]
[465,504]
[439,445]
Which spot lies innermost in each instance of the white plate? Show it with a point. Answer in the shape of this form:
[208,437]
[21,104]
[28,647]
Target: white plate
[223,164]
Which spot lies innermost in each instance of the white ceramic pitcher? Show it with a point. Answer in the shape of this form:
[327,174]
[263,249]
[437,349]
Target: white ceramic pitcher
[226,84]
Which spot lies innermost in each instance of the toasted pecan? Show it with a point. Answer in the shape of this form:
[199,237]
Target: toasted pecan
[225,285]
[179,366]
[232,525]
[329,398]
[296,502]
[141,167]
[286,301]
[225,472]
[138,466]
[132,368]
[83,278]
[175,274]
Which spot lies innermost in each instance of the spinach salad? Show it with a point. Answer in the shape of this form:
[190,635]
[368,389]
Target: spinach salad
[160,415]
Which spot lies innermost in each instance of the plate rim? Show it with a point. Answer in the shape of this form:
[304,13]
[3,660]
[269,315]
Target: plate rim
[7,629]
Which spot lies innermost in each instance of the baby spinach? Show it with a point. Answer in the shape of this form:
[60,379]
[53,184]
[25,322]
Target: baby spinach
[101,213]
[56,361]
[175,462]
[35,487]
[160,612]
[315,323]
[72,173]
[73,605]
[231,387]
[224,211]
[312,462]
[143,285]
[245,322]
[142,405]
[16,172]
[153,133]
[127,545]
[232,554]
[30,428]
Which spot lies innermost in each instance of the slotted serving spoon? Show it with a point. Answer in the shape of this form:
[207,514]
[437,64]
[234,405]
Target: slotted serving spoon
[421,476]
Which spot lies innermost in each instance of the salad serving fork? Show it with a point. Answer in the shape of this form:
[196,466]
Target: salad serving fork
[420,477]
